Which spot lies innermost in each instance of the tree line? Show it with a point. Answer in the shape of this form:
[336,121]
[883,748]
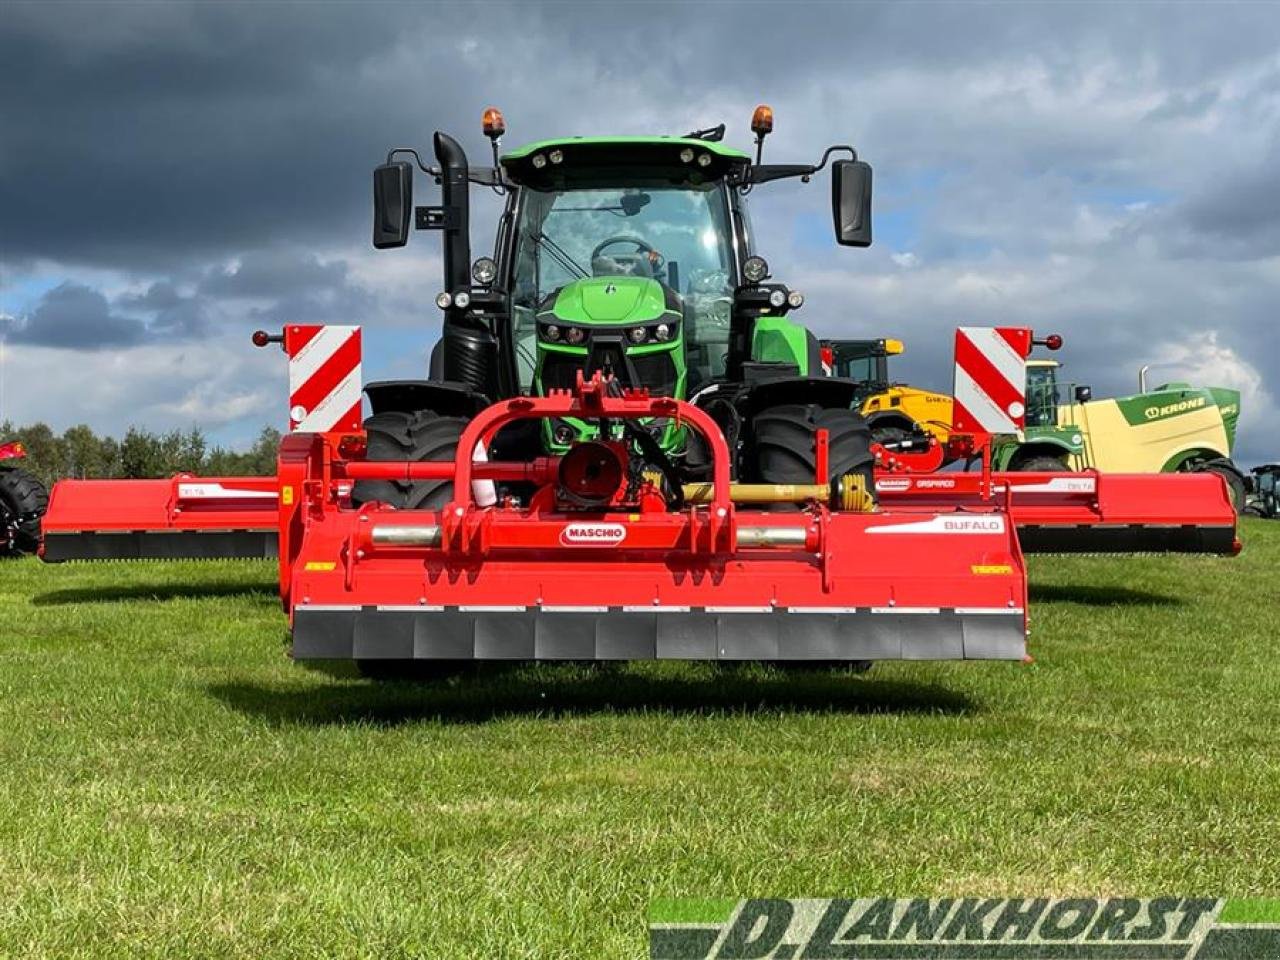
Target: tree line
[81,453]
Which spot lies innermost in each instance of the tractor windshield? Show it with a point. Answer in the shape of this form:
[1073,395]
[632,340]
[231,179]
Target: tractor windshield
[1042,397]
[677,235]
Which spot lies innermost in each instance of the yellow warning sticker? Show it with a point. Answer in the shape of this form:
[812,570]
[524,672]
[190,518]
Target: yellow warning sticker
[286,495]
[320,565]
[990,569]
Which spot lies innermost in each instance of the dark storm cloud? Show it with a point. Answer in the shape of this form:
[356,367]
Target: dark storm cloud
[163,131]
[75,316]
[140,134]
[274,273]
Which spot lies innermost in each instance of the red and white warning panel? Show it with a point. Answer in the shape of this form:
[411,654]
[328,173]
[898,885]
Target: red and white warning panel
[324,377]
[991,380]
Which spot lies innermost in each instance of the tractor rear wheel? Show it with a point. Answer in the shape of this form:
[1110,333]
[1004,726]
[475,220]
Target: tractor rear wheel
[397,436]
[1041,463]
[785,444]
[23,501]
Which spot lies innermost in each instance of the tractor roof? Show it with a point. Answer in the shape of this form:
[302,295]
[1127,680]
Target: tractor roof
[622,154]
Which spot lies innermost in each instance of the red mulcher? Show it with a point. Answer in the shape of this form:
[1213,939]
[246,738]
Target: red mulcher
[596,572]
[627,454]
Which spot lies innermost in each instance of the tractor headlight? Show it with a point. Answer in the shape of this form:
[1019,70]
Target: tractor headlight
[539,161]
[574,335]
[795,299]
[556,156]
[484,271]
[551,332]
[638,334]
[704,159]
[686,155]
[563,433]
[662,331]
[777,298]
[755,269]
[444,300]
[462,299]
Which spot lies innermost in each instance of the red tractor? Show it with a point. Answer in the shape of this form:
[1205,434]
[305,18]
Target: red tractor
[23,500]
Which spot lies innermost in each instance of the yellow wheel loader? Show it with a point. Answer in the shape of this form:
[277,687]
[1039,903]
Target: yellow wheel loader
[893,411]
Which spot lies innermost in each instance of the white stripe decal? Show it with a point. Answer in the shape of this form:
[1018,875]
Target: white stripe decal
[326,414]
[211,491]
[409,608]
[739,609]
[655,609]
[304,364]
[964,524]
[984,410]
[828,610]
[496,609]
[989,610]
[1055,485]
[1001,355]
[929,610]
[550,609]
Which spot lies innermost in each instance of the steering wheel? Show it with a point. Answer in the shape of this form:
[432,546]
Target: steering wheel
[656,260]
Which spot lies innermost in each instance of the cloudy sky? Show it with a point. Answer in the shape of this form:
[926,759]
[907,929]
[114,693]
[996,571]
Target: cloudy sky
[174,176]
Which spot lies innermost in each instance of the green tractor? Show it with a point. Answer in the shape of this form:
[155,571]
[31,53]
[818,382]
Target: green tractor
[629,256]
[1264,492]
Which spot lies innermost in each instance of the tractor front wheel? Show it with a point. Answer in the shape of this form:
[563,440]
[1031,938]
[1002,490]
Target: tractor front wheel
[23,501]
[397,436]
[784,444]
[1041,463]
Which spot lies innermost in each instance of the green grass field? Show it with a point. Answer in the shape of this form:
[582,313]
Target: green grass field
[172,785]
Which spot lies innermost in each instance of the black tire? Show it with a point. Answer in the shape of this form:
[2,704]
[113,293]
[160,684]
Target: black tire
[1040,463]
[23,501]
[1235,482]
[784,444]
[886,436]
[396,435]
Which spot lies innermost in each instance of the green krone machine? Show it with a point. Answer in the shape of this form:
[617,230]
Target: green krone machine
[630,256]
[1172,427]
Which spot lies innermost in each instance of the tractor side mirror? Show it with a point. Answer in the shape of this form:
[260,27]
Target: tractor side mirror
[392,204]
[1084,394]
[851,202]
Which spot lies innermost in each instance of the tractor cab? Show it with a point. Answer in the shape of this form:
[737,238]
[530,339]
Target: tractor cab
[623,256]
[866,362]
[1042,393]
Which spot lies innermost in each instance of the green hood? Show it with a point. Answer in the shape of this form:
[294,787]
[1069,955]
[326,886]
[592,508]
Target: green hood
[610,301]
